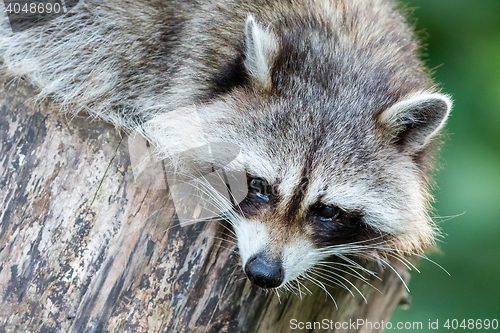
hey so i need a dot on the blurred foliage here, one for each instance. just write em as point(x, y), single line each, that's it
point(463, 48)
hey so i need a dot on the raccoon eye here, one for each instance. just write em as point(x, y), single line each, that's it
point(260, 188)
point(326, 213)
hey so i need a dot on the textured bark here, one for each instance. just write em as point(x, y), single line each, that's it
point(83, 249)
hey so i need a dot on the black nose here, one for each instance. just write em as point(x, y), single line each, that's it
point(263, 272)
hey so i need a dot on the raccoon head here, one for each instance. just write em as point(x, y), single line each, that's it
point(342, 187)
point(335, 142)
point(333, 168)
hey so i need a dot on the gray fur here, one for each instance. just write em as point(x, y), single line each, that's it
point(327, 101)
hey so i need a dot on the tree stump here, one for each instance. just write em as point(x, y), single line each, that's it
point(83, 249)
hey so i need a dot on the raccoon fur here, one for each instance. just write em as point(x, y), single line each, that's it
point(335, 115)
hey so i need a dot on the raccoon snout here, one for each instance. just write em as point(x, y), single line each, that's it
point(264, 272)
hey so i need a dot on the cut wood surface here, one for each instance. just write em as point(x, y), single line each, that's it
point(84, 249)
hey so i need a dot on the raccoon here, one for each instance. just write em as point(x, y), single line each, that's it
point(335, 116)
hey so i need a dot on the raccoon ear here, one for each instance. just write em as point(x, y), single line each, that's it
point(416, 120)
point(260, 49)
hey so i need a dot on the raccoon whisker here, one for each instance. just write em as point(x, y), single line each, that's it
point(284, 286)
point(322, 286)
point(345, 249)
point(355, 247)
point(355, 264)
point(224, 206)
point(431, 261)
point(298, 291)
point(187, 222)
point(324, 275)
point(357, 275)
point(303, 286)
point(216, 214)
point(440, 237)
point(146, 160)
point(232, 219)
point(419, 255)
point(403, 260)
point(350, 267)
point(231, 249)
point(298, 288)
point(225, 240)
point(211, 192)
point(227, 248)
point(217, 200)
point(239, 271)
point(333, 280)
point(447, 218)
point(233, 239)
point(354, 250)
point(229, 219)
point(365, 282)
point(206, 192)
point(363, 243)
point(234, 199)
point(174, 226)
point(386, 263)
point(196, 185)
point(289, 287)
point(362, 279)
point(435, 263)
point(277, 294)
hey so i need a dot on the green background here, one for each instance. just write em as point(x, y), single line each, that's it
point(463, 46)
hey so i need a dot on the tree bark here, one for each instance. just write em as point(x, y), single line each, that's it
point(83, 249)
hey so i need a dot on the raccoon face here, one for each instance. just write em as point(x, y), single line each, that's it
point(329, 173)
point(335, 154)
point(336, 189)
